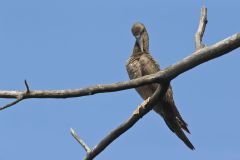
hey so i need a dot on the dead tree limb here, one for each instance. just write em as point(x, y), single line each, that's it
point(80, 141)
point(201, 28)
point(198, 57)
point(142, 110)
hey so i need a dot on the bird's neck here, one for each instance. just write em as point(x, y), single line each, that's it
point(137, 50)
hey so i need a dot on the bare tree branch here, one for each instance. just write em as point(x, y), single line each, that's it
point(195, 59)
point(80, 141)
point(142, 110)
point(201, 55)
point(201, 28)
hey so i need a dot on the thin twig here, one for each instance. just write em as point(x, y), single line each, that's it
point(12, 103)
point(142, 110)
point(26, 84)
point(201, 28)
point(80, 141)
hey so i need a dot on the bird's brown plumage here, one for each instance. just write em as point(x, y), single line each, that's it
point(140, 64)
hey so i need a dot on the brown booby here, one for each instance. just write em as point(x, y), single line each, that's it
point(141, 63)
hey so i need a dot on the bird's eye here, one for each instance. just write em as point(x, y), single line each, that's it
point(141, 31)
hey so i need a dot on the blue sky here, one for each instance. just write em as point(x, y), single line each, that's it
point(57, 44)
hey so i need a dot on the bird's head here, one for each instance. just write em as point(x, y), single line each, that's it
point(140, 33)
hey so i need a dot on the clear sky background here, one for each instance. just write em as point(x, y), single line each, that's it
point(57, 44)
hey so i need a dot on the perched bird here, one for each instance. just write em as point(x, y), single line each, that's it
point(141, 63)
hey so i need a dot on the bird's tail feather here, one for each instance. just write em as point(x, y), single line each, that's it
point(174, 127)
point(175, 124)
point(182, 123)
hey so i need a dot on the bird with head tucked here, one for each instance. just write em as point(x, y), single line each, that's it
point(141, 63)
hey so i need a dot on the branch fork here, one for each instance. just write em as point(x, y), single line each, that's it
point(19, 97)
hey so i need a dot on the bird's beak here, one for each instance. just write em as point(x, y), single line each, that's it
point(139, 42)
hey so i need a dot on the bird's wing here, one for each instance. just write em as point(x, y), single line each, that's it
point(150, 66)
point(167, 107)
point(134, 69)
